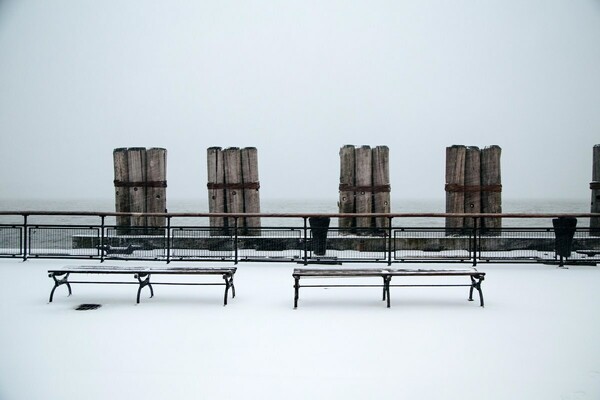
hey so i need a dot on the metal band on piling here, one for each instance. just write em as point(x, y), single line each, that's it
point(238, 186)
point(451, 187)
point(159, 184)
point(373, 189)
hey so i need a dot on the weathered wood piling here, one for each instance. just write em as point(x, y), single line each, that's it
point(381, 185)
point(249, 157)
point(121, 192)
point(216, 193)
point(364, 188)
point(156, 188)
point(140, 187)
point(473, 185)
point(234, 195)
point(136, 162)
point(346, 202)
point(491, 188)
point(455, 181)
point(595, 187)
point(233, 187)
point(363, 196)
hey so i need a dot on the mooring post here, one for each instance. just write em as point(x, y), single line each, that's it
point(249, 159)
point(364, 190)
point(216, 189)
point(472, 184)
point(156, 188)
point(346, 204)
point(455, 181)
point(595, 187)
point(233, 188)
point(491, 189)
point(136, 163)
point(234, 198)
point(121, 170)
point(140, 187)
point(381, 185)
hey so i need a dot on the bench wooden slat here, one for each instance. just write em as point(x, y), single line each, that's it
point(349, 272)
point(129, 270)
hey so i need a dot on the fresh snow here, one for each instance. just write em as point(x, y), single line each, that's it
point(537, 338)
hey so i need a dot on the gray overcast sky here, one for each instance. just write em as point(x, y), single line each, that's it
point(297, 80)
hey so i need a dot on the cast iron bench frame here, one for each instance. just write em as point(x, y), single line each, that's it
point(142, 274)
point(386, 275)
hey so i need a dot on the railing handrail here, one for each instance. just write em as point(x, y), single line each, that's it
point(302, 215)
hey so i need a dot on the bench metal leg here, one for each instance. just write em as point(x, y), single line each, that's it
point(296, 290)
point(228, 284)
point(143, 283)
point(232, 286)
point(476, 284)
point(59, 282)
point(386, 289)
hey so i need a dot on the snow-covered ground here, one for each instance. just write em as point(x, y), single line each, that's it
point(537, 338)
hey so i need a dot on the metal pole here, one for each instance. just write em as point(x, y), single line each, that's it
point(101, 248)
point(168, 232)
point(235, 240)
point(476, 232)
point(305, 241)
point(25, 237)
point(390, 240)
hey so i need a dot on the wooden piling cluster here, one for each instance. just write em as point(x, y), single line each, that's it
point(140, 187)
point(473, 185)
point(233, 187)
point(595, 187)
point(364, 188)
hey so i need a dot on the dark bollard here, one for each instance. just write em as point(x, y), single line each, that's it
point(564, 230)
point(319, 227)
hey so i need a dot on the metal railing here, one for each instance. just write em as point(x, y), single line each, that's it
point(289, 238)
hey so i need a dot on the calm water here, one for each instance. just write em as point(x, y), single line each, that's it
point(295, 206)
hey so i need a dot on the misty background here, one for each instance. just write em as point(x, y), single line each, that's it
point(298, 80)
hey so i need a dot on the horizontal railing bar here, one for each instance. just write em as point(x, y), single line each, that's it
point(155, 283)
point(107, 282)
point(430, 285)
point(326, 286)
point(306, 215)
point(189, 283)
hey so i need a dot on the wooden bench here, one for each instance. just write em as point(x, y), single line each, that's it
point(143, 275)
point(386, 275)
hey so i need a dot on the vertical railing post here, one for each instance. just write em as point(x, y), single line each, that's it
point(305, 240)
point(475, 235)
point(101, 247)
point(235, 240)
point(168, 232)
point(390, 241)
point(25, 237)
